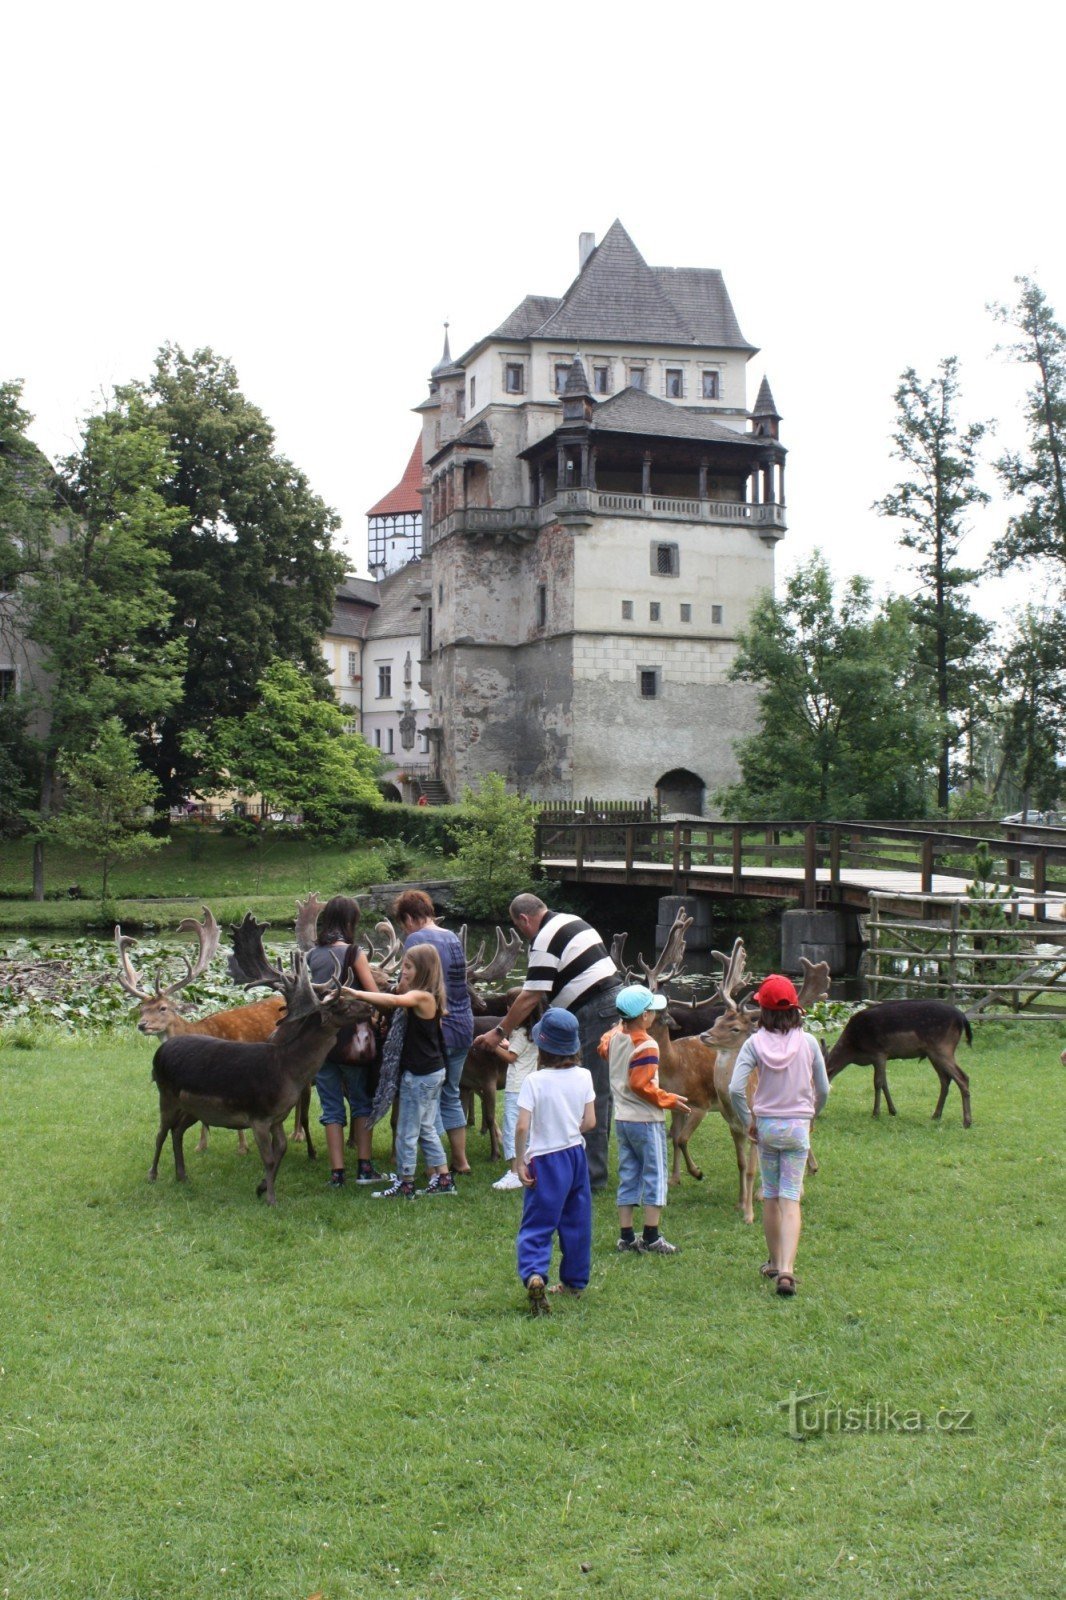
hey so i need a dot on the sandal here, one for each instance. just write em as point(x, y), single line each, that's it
point(564, 1288)
point(768, 1270)
point(786, 1283)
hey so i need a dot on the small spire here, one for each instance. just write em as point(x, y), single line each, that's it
point(576, 381)
point(446, 357)
point(764, 403)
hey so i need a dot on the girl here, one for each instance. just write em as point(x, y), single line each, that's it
point(420, 1002)
point(339, 1079)
point(791, 1090)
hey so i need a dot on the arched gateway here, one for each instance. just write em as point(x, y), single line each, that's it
point(680, 790)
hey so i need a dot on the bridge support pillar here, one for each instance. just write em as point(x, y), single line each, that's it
point(831, 936)
point(698, 907)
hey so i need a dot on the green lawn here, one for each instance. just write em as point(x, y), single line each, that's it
point(198, 865)
point(201, 1397)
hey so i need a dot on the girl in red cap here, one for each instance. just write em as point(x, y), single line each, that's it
point(792, 1089)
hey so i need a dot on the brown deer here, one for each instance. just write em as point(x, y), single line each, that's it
point(230, 1084)
point(905, 1030)
point(736, 1024)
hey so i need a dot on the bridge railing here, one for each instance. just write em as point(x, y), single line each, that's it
point(823, 852)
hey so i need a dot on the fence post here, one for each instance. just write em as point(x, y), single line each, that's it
point(953, 952)
point(579, 852)
point(927, 865)
point(677, 856)
point(630, 841)
point(834, 857)
point(738, 859)
point(874, 931)
point(1040, 885)
point(687, 853)
point(810, 867)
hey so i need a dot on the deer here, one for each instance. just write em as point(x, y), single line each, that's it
point(160, 1014)
point(736, 1024)
point(905, 1030)
point(232, 1084)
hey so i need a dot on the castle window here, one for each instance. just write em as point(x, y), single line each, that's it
point(515, 378)
point(686, 611)
point(460, 403)
point(388, 741)
point(654, 611)
point(649, 683)
point(665, 560)
point(716, 615)
point(627, 611)
point(384, 682)
point(353, 664)
point(473, 394)
point(675, 383)
point(638, 377)
point(711, 385)
point(8, 683)
point(562, 372)
point(601, 380)
point(542, 605)
point(377, 737)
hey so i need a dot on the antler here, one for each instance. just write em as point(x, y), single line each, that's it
point(307, 921)
point(672, 960)
point(732, 974)
point(127, 977)
point(390, 960)
point(618, 952)
point(508, 949)
point(815, 982)
point(249, 966)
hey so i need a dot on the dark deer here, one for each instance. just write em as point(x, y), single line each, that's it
point(905, 1030)
point(229, 1084)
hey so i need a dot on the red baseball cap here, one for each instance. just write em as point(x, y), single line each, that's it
point(776, 993)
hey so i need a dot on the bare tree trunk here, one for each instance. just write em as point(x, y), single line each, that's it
point(47, 785)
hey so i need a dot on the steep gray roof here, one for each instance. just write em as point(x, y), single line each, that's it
point(399, 610)
point(355, 601)
point(764, 403)
point(700, 296)
point(527, 317)
point(616, 295)
point(576, 381)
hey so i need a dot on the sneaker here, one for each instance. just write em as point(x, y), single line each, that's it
point(661, 1247)
point(441, 1183)
point(337, 1179)
point(630, 1244)
point(510, 1180)
point(398, 1189)
point(538, 1296)
point(369, 1174)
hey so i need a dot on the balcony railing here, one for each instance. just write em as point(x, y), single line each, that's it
point(767, 519)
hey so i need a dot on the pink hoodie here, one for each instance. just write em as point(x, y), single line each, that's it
point(792, 1077)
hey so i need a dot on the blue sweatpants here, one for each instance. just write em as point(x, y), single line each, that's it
point(559, 1202)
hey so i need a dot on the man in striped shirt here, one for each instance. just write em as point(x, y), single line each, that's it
point(569, 967)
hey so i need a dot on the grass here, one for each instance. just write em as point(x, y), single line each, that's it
point(344, 1398)
point(195, 865)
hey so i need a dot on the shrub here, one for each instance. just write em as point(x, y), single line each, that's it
point(495, 858)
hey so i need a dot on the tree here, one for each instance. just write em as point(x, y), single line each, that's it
point(106, 796)
point(1032, 719)
point(293, 749)
point(933, 502)
point(252, 573)
point(843, 731)
point(495, 858)
point(1038, 477)
point(91, 598)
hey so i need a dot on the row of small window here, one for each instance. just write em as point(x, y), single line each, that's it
point(674, 380)
point(655, 612)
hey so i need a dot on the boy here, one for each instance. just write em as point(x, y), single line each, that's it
point(640, 1124)
point(556, 1105)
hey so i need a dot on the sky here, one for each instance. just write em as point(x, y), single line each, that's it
point(312, 191)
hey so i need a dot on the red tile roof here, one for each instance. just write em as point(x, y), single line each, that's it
point(407, 495)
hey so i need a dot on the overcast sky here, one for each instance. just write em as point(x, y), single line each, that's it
point(312, 193)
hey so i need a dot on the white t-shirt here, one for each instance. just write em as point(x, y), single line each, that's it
point(556, 1098)
point(525, 1060)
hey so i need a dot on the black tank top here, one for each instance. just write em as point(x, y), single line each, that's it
point(422, 1049)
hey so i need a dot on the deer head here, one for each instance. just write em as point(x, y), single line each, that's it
point(159, 1010)
point(508, 949)
point(740, 1019)
point(671, 962)
point(302, 998)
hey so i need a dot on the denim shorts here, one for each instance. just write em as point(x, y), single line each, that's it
point(783, 1146)
point(336, 1083)
point(641, 1163)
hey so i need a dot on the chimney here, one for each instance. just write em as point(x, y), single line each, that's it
point(586, 244)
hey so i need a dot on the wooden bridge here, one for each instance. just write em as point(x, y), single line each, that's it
point(811, 864)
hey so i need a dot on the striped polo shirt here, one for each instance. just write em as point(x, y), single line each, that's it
point(567, 960)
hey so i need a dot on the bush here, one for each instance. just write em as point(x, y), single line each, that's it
point(496, 857)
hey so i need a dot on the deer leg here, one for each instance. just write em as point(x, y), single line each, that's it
point(201, 1143)
point(812, 1162)
point(948, 1069)
point(488, 1118)
point(689, 1123)
point(165, 1121)
point(242, 1143)
point(177, 1135)
point(272, 1146)
point(466, 1098)
point(745, 1172)
point(304, 1114)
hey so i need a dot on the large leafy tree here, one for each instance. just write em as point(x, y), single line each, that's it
point(932, 503)
point(106, 797)
point(90, 597)
point(1037, 476)
point(1032, 719)
point(252, 572)
point(844, 731)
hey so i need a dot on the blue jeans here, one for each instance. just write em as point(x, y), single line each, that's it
point(510, 1122)
point(416, 1124)
point(451, 1113)
point(334, 1082)
point(641, 1163)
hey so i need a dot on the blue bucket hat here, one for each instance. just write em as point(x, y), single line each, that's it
point(557, 1033)
point(634, 1000)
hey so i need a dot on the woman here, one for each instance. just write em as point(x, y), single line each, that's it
point(413, 910)
point(422, 1001)
point(337, 1079)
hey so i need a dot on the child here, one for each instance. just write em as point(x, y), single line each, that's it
point(421, 997)
point(556, 1105)
point(520, 1054)
point(640, 1123)
point(792, 1089)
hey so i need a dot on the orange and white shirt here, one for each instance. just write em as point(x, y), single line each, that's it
point(633, 1061)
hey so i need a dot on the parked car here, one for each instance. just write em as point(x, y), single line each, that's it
point(1044, 819)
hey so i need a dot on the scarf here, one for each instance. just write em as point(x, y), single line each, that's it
point(389, 1080)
